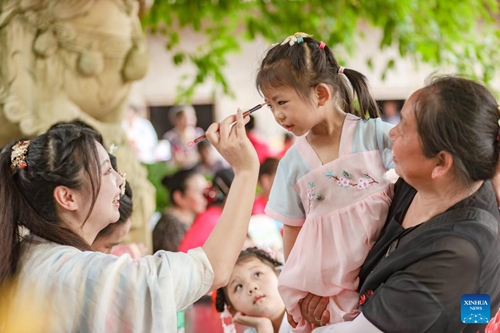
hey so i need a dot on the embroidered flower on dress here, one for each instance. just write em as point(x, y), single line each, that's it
point(310, 195)
point(364, 297)
point(363, 184)
point(343, 182)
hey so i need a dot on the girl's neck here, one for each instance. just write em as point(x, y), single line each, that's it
point(277, 322)
point(325, 138)
point(331, 124)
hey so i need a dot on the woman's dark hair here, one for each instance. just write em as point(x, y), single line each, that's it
point(66, 155)
point(252, 252)
point(305, 65)
point(178, 182)
point(126, 205)
point(459, 116)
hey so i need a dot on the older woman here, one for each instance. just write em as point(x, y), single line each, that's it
point(441, 239)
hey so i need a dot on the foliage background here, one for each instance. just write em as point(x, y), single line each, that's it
point(460, 34)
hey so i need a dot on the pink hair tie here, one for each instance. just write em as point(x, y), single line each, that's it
point(340, 70)
point(322, 45)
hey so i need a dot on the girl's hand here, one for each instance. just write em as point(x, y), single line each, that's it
point(261, 324)
point(232, 143)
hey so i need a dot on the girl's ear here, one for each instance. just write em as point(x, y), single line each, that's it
point(323, 93)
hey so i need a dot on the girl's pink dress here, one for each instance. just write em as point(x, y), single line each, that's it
point(341, 207)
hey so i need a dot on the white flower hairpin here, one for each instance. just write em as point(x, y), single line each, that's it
point(112, 149)
point(297, 37)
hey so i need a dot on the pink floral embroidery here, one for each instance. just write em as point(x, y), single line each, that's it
point(344, 181)
point(363, 184)
point(310, 195)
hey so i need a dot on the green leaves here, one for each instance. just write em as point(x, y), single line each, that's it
point(461, 34)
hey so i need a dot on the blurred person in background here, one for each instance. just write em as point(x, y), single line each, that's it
point(205, 222)
point(187, 199)
point(288, 140)
point(260, 145)
point(390, 112)
point(210, 160)
point(141, 135)
point(183, 118)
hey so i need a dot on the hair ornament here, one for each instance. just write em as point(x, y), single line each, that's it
point(18, 154)
point(297, 37)
point(340, 70)
point(227, 321)
point(321, 45)
point(269, 252)
point(124, 182)
point(112, 149)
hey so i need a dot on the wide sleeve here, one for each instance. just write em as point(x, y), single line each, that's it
point(430, 289)
point(284, 203)
point(384, 143)
point(94, 292)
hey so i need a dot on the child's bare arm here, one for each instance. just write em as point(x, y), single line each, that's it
point(289, 236)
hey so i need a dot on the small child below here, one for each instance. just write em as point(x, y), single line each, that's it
point(252, 296)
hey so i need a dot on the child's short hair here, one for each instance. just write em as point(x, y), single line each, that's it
point(252, 252)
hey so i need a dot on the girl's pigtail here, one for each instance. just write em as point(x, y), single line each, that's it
point(220, 300)
point(368, 107)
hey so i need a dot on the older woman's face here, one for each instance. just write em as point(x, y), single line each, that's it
point(411, 163)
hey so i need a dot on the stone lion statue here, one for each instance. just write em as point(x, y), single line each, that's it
point(62, 60)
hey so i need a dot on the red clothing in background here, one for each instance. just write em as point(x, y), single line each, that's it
point(263, 150)
point(200, 229)
point(259, 205)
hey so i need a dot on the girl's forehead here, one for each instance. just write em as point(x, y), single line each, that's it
point(249, 263)
point(271, 92)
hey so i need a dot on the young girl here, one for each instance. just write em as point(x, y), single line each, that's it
point(330, 190)
point(251, 295)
